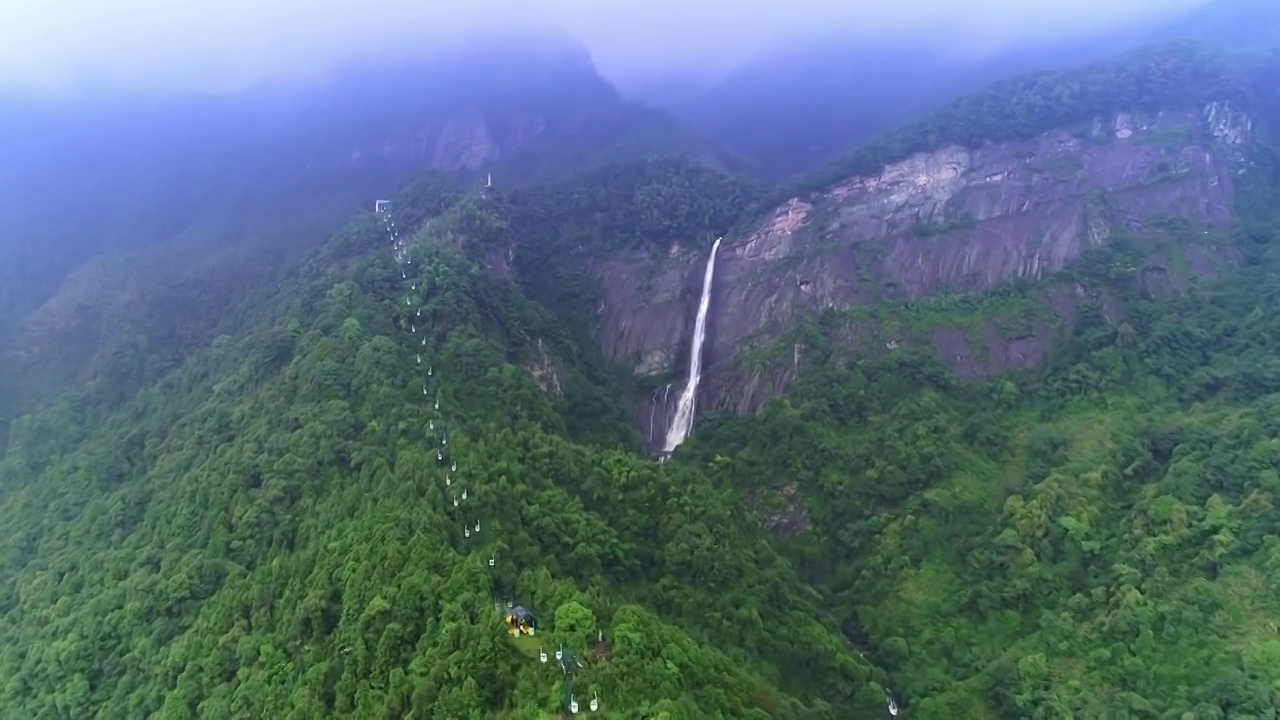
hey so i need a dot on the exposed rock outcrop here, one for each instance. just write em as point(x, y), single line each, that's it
point(642, 314)
point(499, 262)
point(955, 220)
point(781, 511)
point(544, 370)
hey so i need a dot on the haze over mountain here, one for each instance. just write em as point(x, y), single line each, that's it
point(388, 360)
point(798, 104)
point(132, 45)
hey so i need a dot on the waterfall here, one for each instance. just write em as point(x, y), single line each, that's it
point(658, 409)
point(682, 423)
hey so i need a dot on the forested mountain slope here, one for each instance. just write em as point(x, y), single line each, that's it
point(1086, 535)
point(1000, 190)
point(129, 231)
point(268, 531)
point(323, 511)
point(1094, 538)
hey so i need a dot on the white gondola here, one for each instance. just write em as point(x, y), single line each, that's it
point(430, 369)
point(573, 705)
point(439, 455)
point(477, 526)
point(413, 328)
point(559, 654)
point(437, 404)
point(542, 655)
point(466, 532)
point(595, 703)
point(455, 466)
point(424, 343)
point(455, 502)
point(492, 560)
point(464, 493)
point(448, 481)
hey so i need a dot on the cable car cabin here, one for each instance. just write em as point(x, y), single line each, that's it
point(520, 621)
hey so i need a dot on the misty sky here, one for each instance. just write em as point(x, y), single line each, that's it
point(65, 46)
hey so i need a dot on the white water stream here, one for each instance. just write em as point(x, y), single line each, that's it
point(682, 423)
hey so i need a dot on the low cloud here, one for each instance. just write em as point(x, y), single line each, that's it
point(157, 46)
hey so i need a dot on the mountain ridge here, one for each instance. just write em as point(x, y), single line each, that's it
point(905, 218)
point(276, 521)
point(788, 107)
point(257, 176)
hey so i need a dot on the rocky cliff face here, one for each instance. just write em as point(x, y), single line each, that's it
point(958, 220)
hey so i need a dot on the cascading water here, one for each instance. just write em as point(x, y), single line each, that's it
point(682, 423)
point(658, 410)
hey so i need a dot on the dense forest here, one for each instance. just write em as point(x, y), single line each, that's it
point(330, 510)
point(270, 530)
point(1097, 539)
